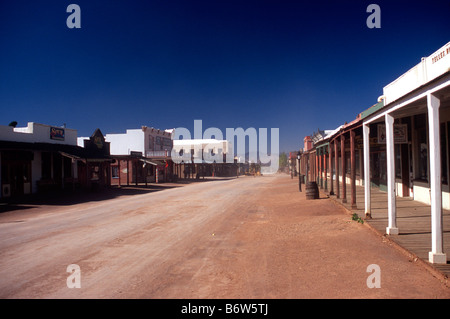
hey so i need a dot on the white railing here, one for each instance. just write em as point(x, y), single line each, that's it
point(164, 153)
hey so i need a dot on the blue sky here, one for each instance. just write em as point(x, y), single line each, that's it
point(293, 65)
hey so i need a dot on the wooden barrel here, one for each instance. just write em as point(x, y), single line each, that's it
point(312, 190)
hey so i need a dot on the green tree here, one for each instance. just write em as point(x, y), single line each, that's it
point(283, 162)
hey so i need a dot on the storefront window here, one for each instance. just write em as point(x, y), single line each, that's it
point(5, 174)
point(46, 165)
point(357, 170)
point(67, 167)
point(167, 142)
point(423, 154)
point(151, 143)
point(398, 161)
point(95, 173)
point(421, 146)
point(114, 172)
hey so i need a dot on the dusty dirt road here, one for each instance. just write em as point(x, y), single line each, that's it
point(251, 237)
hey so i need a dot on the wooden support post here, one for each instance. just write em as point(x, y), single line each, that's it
point(128, 172)
point(343, 163)
point(118, 170)
point(367, 208)
point(336, 164)
point(325, 170)
point(353, 169)
point(136, 173)
point(330, 159)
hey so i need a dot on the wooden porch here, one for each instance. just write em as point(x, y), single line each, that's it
point(413, 222)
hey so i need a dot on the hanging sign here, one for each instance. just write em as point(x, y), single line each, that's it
point(57, 133)
point(400, 133)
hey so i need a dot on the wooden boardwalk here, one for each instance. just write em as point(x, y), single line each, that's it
point(413, 222)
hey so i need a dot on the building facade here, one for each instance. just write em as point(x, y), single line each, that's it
point(141, 156)
point(39, 158)
point(195, 158)
point(399, 145)
point(412, 125)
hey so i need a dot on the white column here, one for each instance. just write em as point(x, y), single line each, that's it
point(390, 159)
point(366, 131)
point(436, 254)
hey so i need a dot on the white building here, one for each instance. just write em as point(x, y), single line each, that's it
point(141, 155)
point(148, 141)
point(200, 150)
point(420, 101)
point(39, 133)
point(34, 156)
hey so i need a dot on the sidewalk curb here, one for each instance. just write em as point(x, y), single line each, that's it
point(391, 241)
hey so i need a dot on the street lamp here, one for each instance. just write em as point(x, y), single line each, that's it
point(299, 175)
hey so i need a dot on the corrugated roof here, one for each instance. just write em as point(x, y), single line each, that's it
point(372, 109)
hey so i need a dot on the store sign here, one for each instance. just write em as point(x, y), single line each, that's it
point(57, 133)
point(136, 153)
point(427, 70)
point(438, 63)
point(400, 133)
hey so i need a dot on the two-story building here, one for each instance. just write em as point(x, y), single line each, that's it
point(203, 157)
point(141, 156)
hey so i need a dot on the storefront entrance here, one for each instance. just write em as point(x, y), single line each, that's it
point(378, 169)
point(16, 173)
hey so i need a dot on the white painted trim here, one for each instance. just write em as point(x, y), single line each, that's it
point(390, 161)
point(433, 104)
point(366, 141)
point(421, 93)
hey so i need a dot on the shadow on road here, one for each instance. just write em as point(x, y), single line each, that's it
point(73, 197)
point(201, 180)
